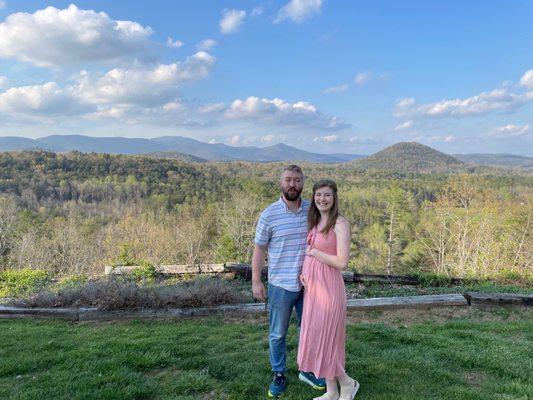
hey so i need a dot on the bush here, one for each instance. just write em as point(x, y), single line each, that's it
point(146, 272)
point(118, 293)
point(125, 257)
point(71, 281)
point(430, 279)
point(22, 282)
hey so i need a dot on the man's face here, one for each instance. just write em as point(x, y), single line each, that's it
point(292, 184)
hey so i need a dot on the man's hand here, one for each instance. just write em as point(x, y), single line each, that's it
point(258, 260)
point(259, 291)
point(303, 281)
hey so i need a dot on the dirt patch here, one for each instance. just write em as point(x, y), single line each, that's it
point(410, 316)
point(475, 378)
point(407, 317)
point(161, 372)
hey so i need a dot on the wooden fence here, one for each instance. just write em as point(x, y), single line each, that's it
point(245, 271)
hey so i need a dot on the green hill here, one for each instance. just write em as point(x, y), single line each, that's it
point(410, 157)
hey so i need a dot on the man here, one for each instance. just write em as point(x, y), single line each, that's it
point(282, 231)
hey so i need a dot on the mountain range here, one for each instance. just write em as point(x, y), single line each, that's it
point(167, 145)
point(403, 156)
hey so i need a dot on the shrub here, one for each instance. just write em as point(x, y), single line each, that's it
point(17, 283)
point(125, 256)
point(118, 293)
point(429, 279)
point(146, 272)
point(71, 281)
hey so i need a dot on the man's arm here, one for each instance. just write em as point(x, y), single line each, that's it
point(258, 260)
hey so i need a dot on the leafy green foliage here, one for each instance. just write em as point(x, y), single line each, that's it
point(76, 212)
point(145, 272)
point(15, 283)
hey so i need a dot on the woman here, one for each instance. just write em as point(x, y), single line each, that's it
point(323, 329)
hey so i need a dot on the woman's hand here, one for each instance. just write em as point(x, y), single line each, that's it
point(303, 281)
point(310, 251)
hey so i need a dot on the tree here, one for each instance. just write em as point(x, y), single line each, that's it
point(397, 220)
point(8, 221)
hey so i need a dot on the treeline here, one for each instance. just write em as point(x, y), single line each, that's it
point(74, 213)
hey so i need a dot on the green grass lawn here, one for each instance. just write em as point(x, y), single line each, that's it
point(476, 355)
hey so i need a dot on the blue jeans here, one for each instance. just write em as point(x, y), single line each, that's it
point(280, 305)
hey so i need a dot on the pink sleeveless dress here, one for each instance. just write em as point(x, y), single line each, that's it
point(321, 348)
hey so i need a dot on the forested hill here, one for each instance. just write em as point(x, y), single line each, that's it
point(411, 157)
point(74, 212)
point(39, 175)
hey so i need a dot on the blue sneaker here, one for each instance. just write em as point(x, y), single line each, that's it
point(278, 385)
point(312, 380)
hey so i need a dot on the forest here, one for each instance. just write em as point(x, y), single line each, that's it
point(75, 213)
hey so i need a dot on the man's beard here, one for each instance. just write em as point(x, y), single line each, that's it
point(292, 195)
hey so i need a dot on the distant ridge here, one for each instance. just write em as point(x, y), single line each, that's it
point(179, 145)
point(497, 160)
point(174, 155)
point(403, 156)
point(410, 157)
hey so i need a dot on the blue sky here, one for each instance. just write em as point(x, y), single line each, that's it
point(324, 76)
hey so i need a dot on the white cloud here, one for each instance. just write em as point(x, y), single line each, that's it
point(234, 140)
point(115, 112)
point(212, 108)
point(527, 79)
point(51, 37)
point(511, 131)
point(327, 139)
point(336, 89)
point(299, 10)
point(280, 112)
point(231, 20)
point(3, 81)
point(485, 102)
point(405, 102)
point(256, 11)
point(174, 43)
point(143, 86)
point(148, 92)
point(206, 44)
point(363, 77)
point(268, 138)
point(406, 125)
point(450, 138)
point(173, 106)
point(40, 101)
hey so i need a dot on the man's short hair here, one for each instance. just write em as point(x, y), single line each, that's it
point(293, 168)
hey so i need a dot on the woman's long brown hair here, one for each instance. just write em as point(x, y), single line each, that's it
point(313, 217)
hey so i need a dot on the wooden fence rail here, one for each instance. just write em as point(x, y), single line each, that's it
point(245, 271)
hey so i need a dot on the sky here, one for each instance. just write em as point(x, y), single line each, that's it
point(324, 76)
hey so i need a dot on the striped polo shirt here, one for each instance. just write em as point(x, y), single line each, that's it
point(284, 233)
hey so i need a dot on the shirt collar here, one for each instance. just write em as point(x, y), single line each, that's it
point(286, 208)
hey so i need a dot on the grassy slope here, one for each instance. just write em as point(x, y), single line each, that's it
point(216, 358)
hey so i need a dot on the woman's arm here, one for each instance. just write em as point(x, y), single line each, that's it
point(339, 261)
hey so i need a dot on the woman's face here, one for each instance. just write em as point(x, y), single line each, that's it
point(324, 199)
